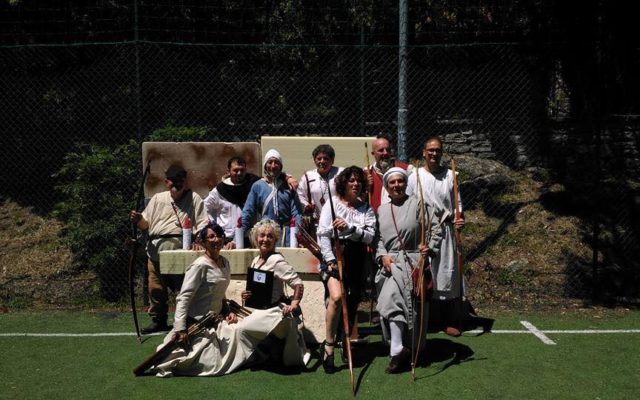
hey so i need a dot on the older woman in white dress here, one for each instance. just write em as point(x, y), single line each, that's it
point(279, 321)
point(399, 248)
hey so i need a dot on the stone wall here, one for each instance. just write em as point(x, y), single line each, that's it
point(571, 146)
point(516, 148)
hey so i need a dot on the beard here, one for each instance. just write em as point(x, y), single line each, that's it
point(385, 164)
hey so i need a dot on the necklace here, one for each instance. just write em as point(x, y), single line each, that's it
point(324, 187)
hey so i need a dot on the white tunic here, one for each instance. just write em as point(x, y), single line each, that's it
point(319, 188)
point(361, 225)
point(223, 212)
point(165, 217)
point(438, 195)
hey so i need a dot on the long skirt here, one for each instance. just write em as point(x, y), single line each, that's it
point(395, 299)
point(228, 347)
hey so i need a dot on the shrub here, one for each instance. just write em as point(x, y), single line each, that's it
point(99, 185)
point(179, 134)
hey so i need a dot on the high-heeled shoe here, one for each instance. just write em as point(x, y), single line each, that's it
point(328, 363)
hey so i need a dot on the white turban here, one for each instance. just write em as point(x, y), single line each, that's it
point(393, 171)
point(273, 153)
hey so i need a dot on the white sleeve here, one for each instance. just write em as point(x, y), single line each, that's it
point(191, 283)
point(364, 233)
point(411, 183)
point(212, 203)
point(325, 233)
point(302, 190)
point(460, 199)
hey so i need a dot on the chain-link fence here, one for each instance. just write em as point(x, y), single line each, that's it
point(58, 96)
point(526, 244)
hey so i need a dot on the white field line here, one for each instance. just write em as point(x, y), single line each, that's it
point(588, 331)
point(102, 334)
point(560, 331)
point(538, 333)
point(475, 331)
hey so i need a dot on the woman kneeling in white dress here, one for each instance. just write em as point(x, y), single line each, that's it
point(230, 345)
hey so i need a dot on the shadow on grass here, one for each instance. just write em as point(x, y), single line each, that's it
point(363, 356)
point(445, 351)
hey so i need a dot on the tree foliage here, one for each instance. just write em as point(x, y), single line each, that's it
point(99, 186)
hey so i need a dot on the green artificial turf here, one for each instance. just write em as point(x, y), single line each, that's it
point(489, 366)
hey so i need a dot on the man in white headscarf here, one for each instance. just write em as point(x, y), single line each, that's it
point(271, 197)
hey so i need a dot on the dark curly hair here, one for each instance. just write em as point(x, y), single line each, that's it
point(344, 176)
point(202, 233)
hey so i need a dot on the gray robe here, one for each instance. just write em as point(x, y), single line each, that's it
point(395, 301)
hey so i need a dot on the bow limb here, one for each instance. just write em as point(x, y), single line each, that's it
point(369, 167)
point(458, 215)
point(132, 296)
point(421, 290)
point(421, 265)
point(343, 298)
point(370, 250)
point(134, 244)
point(458, 235)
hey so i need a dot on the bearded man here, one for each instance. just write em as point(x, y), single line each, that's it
point(384, 159)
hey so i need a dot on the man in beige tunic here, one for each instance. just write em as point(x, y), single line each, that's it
point(163, 218)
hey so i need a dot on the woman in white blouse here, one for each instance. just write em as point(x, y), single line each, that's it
point(354, 221)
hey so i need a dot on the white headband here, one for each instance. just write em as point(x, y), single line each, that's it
point(393, 171)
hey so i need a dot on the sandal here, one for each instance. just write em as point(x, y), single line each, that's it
point(328, 359)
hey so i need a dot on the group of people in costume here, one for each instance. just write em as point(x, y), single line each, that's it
point(389, 213)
